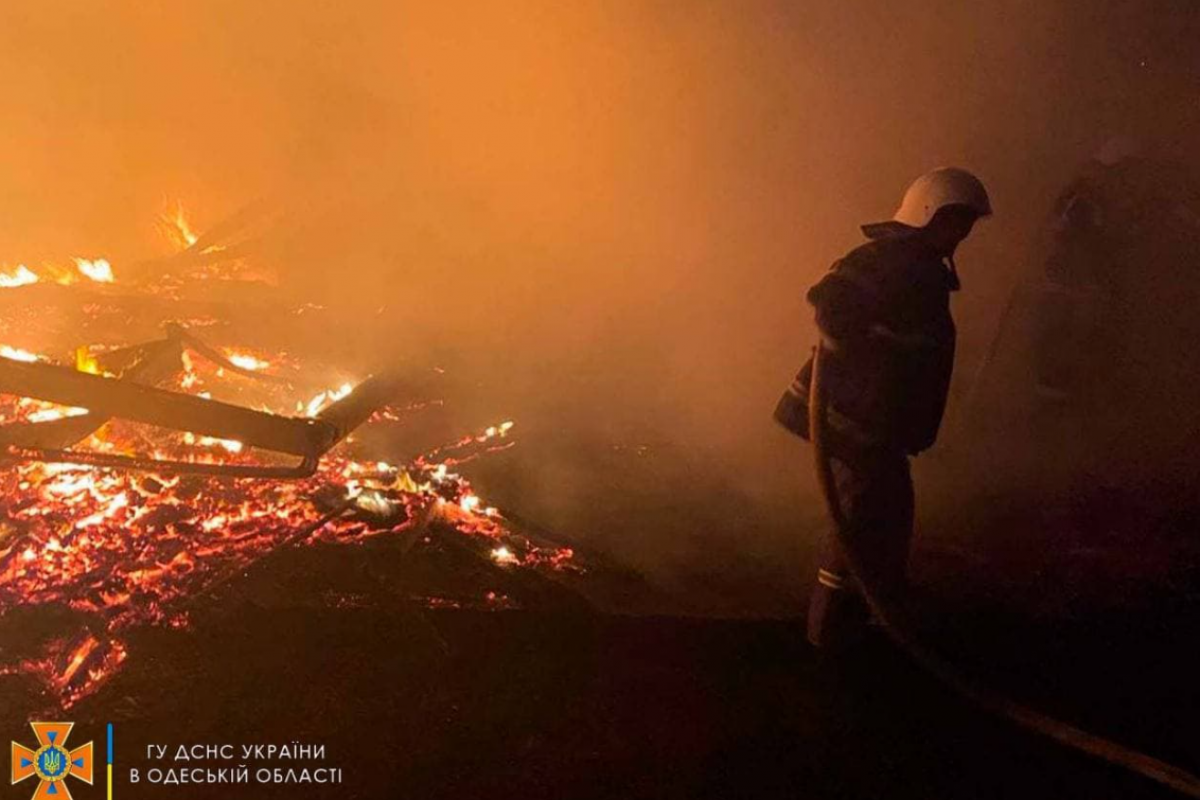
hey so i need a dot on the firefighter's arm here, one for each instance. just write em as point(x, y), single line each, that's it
point(845, 311)
point(848, 313)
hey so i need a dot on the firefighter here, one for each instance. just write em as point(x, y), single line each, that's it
point(1111, 324)
point(1126, 225)
point(883, 314)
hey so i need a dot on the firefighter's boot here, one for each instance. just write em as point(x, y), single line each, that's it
point(837, 616)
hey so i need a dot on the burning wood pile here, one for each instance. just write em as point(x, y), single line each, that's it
point(137, 476)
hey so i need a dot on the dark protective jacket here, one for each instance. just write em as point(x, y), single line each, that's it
point(885, 310)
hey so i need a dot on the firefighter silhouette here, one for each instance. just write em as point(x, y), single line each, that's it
point(883, 313)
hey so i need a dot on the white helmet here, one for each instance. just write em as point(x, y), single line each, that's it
point(947, 186)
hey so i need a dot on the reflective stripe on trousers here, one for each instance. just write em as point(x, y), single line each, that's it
point(876, 494)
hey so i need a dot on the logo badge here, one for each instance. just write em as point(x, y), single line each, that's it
point(51, 762)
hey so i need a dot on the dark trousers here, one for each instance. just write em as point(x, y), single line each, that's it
point(876, 494)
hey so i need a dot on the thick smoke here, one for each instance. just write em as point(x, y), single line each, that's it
point(606, 212)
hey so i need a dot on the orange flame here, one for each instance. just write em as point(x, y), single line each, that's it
point(16, 354)
point(177, 228)
point(99, 270)
point(21, 276)
point(247, 361)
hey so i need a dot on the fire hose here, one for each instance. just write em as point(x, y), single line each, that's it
point(900, 633)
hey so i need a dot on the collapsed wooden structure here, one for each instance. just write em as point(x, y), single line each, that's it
point(129, 392)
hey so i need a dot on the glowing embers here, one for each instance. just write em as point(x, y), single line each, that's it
point(71, 666)
point(135, 548)
point(94, 553)
point(503, 556)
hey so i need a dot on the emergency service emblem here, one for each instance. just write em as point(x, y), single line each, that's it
point(51, 762)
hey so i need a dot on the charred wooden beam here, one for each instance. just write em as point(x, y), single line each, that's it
point(215, 245)
point(368, 397)
point(214, 355)
point(147, 364)
point(115, 397)
point(305, 468)
point(229, 227)
point(205, 258)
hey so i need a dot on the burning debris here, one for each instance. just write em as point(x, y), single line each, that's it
point(139, 477)
point(98, 270)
